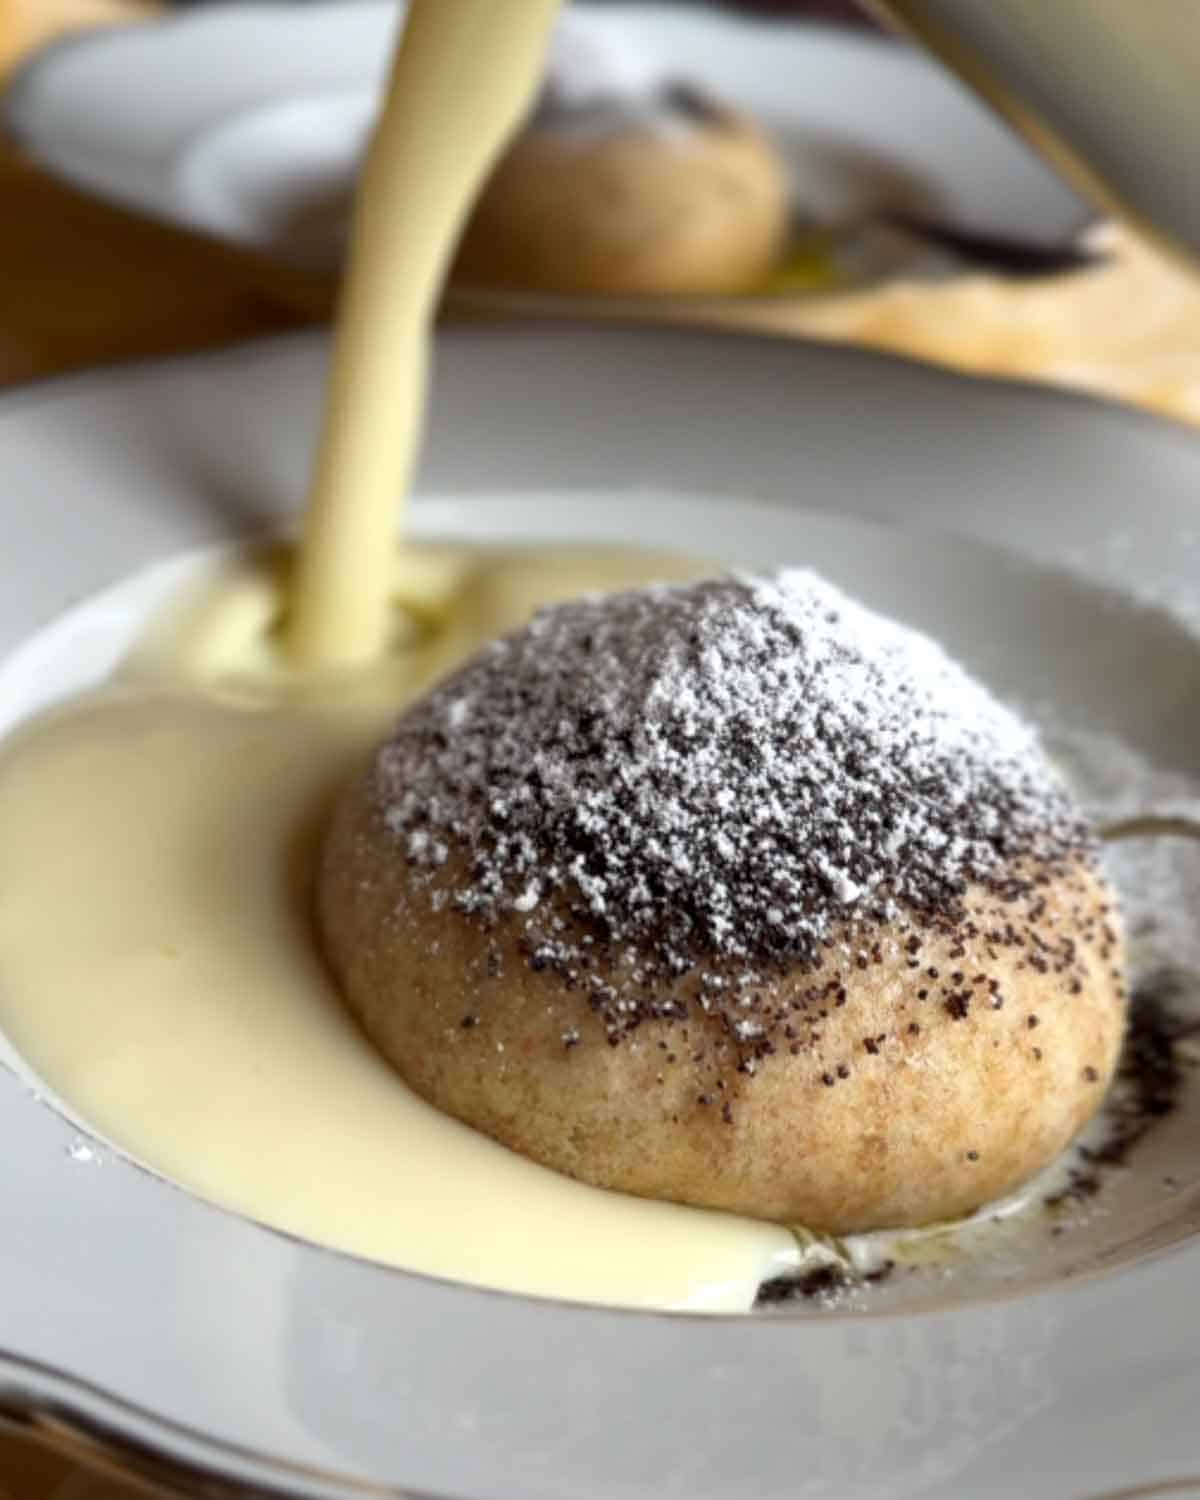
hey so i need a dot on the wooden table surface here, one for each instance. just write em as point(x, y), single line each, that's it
point(83, 284)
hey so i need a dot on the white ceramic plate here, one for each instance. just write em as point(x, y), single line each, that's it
point(247, 121)
point(168, 1331)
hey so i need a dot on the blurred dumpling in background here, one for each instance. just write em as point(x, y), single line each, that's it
point(625, 184)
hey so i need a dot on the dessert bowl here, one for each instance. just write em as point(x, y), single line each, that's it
point(1048, 541)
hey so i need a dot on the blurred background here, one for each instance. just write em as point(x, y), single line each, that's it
point(919, 225)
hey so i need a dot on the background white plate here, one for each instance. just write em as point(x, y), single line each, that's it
point(239, 120)
point(136, 1312)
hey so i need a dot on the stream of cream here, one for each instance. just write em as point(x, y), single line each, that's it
point(464, 74)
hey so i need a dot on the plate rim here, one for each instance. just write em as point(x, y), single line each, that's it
point(46, 391)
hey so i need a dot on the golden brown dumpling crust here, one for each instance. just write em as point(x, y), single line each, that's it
point(929, 1072)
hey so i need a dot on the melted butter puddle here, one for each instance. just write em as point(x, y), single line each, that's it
point(158, 966)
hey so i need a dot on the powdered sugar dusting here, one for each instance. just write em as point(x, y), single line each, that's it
point(711, 778)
